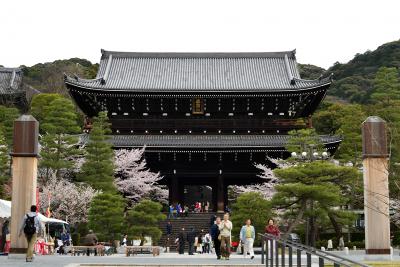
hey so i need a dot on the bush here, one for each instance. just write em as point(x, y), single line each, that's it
point(251, 206)
point(143, 220)
point(106, 216)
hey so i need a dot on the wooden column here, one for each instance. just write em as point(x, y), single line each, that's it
point(173, 190)
point(24, 176)
point(220, 194)
point(376, 189)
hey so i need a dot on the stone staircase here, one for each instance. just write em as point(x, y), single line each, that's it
point(200, 221)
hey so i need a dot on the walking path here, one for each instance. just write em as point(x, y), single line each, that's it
point(165, 259)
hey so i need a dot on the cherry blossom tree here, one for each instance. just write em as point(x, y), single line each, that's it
point(134, 179)
point(68, 201)
point(266, 188)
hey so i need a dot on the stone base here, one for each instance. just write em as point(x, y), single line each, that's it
point(378, 257)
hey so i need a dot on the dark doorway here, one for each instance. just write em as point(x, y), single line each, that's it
point(198, 193)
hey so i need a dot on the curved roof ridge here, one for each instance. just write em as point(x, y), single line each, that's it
point(321, 79)
point(76, 78)
point(278, 54)
point(7, 69)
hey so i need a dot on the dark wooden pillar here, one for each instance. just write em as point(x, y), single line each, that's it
point(173, 190)
point(220, 194)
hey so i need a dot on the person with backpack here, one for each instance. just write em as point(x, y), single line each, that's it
point(31, 228)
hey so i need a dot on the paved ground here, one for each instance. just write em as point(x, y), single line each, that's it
point(164, 259)
point(170, 259)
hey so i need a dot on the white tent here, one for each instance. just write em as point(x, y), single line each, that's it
point(5, 208)
point(5, 212)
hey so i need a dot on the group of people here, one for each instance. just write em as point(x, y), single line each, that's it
point(177, 210)
point(220, 238)
point(201, 207)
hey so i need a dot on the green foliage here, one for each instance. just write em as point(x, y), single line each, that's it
point(304, 140)
point(310, 72)
point(48, 77)
point(58, 145)
point(7, 117)
point(40, 105)
point(386, 86)
point(98, 169)
point(314, 190)
point(355, 79)
point(4, 164)
point(143, 220)
point(106, 216)
point(345, 120)
point(251, 206)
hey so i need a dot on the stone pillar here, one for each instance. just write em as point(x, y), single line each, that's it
point(376, 189)
point(24, 176)
point(173, 190)
point(220, 194)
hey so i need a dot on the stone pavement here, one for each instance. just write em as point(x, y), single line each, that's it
point(170, 259)
point(165, 259)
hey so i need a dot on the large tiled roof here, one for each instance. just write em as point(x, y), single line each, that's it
point(129, 71)
point(209, 141)
point(10, 80)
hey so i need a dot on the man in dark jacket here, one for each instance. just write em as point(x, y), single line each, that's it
point(191, 237)
point(91, 240)
point(181, 241)
point(214, 235)
point(169, 228)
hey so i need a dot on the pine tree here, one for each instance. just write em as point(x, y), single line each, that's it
point(4, 164)
point(143, 220)
point(313, 190)
point(98, 168)
point(386, 86)
point(253, 206)
point(7, 118)
point(58, 143)
point(106, 216)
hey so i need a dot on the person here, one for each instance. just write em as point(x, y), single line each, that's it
point(225, 228)
point(206, 243)
point(169, 228)
point(181, 241)
point(199, 242)
point(171, 211)
point(341, 243)
point(247, 236)
point(191, 236)
point(330, 245)
point(215, 237)
point(272, 229)
point(212, 220)
point(91, 240)
point(179, 210)
point(4, 232)
point(186, 211)
point(206, 206)
point(124, 242)
point(31, 227)
point(65, 237)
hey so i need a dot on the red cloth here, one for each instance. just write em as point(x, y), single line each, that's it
point(7, 247)
point(272, 230)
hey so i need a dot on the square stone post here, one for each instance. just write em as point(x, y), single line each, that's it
point(24, 177)
point(376, 188)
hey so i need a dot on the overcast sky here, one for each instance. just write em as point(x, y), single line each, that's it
point(323, 32)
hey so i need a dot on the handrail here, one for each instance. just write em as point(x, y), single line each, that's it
point(322, 255)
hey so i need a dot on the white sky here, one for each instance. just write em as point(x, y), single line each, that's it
point(323, 32)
